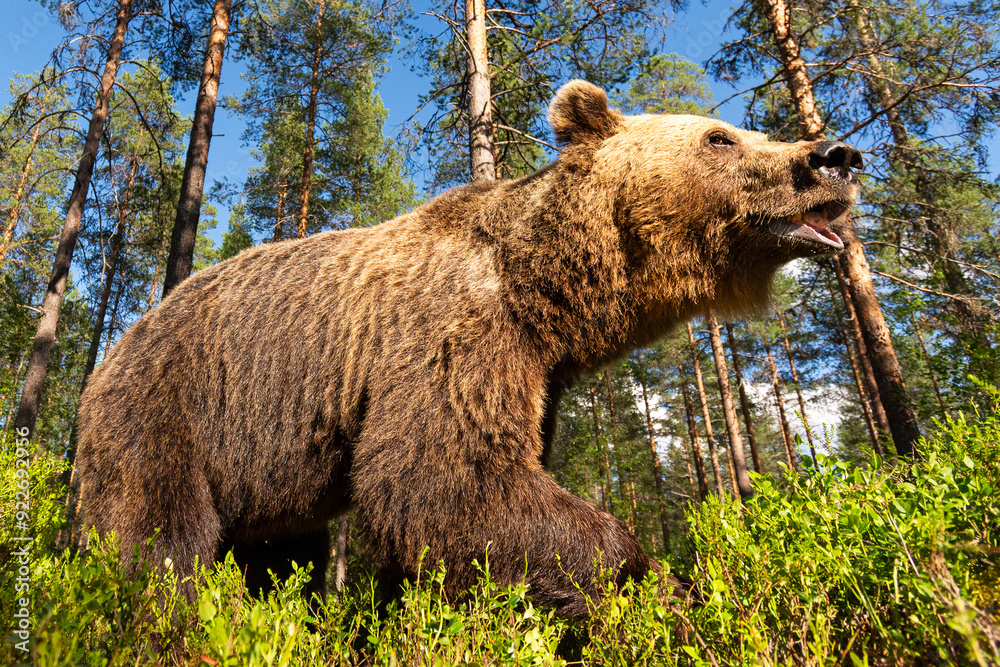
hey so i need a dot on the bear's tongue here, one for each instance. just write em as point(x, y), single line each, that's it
point(814, 226)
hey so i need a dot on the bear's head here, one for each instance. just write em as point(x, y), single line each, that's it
point(699, 192)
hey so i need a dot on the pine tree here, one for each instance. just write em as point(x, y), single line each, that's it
point(738, 463)
point(744, 399)
point(41, 354)
point(775, 17)
point(238, 237)
point(531, 48)
point(481, 149)
point(315, 120)
point(140, 147)
point(932, 181)
point(667, 84)
point(180, 260)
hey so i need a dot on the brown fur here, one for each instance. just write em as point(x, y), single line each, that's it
point(406, 370)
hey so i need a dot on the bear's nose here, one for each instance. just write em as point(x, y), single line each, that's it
point(835, 156)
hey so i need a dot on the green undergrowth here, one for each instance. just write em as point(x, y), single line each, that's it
point(872, 563)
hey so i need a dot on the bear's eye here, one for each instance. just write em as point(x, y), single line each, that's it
point(720, 139)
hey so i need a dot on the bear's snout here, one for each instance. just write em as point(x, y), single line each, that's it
point(836, 159)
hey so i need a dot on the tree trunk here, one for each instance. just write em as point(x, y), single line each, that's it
point(635, 504)
point(41, 351)
point(114, 318)
point(786, 434)
point(602, 448)
point(17, 204)
point(741, 480)
point(69, 533)
point(691, 476)
point(102, 307)
point(152, 286)
point(902, 421)
point(795, 383)
point(888, 375)
point(970, 317)
point(632, 521)
point(341, 575)
point(657, 475)
point(310, 136)
point(744, 401)
point(779, 14)
point(862, 394)
point(481, 158)
point(180, 260)
point(117, 243)
point(706, 415)
point(867, 373)
point(279, 224)
point(699, 464)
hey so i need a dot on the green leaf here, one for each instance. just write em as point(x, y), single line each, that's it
point(206, 610)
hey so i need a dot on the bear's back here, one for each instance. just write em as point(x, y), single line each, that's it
point(276, 350)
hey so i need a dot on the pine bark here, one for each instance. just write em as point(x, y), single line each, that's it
point(481, 144)
point(279, 214)
point(796, 384)
point(657, 473)
point(602, 448)
point(341, 572)
point(153, 284)
point(630, 521)
point(882, 355)
point(713, 453)
point(744, 401)
point(693, 440)
point(867, 372)
point(741, 480)
point(888, 374)
point(863, 397)
point(691, 476)
point(779, 14)
point(41, 351)
point(786, 434)
point(310, 134)
point(180, 260)
point(17, 203)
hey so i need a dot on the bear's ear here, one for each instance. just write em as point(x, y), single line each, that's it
point(580, 112)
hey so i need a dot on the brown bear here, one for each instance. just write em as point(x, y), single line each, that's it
point(411, 370)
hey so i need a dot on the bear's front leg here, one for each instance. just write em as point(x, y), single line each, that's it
point(467, 495)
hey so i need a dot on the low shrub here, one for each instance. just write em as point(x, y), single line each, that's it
point(870, 562)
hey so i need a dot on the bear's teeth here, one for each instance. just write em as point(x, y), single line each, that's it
point(797, 217)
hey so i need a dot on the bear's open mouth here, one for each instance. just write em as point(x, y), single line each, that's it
point(813, 225)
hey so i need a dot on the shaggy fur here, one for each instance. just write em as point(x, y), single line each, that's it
point(407, 370)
